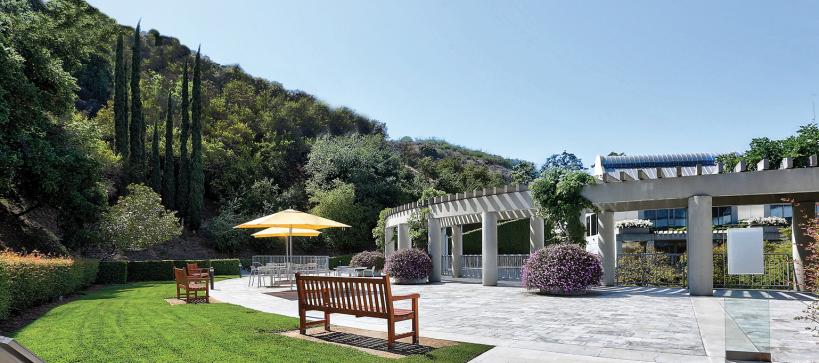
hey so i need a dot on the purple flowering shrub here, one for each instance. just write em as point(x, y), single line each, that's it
point(561, 269)
point(409, 264)
point(368, 259)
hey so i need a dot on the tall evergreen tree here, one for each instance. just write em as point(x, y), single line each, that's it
point(120, 102)
point(156, 166)
point(183, 184)
point(136, 159)
point(168, 180)
point(197, 186)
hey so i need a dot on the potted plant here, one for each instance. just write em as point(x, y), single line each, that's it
point(634, 225)
point(369, 259)
point(410, 266)
point(561, 269)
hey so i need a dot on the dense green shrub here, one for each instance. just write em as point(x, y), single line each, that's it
point(227, 266)
point(368, 259)
point(340, 260)
point(184, 263)
point(162, 270)
point(247, 262)
point(112, 272)
point(150, 270)
point(29, 280)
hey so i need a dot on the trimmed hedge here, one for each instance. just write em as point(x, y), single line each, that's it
point(113, 272)
point(341, 260)
point(162, 270)
point(26, 281)
point(226, 266)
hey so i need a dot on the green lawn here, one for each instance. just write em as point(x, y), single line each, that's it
point(132, 323)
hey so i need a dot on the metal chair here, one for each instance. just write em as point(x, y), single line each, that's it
point(254, 271)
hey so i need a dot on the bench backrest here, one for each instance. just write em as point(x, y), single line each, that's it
point(179, 275)
point(363, 296)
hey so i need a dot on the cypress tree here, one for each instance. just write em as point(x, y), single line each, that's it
point(120, 102)
point(168, 180)
point(183, 184)
point(197, 186)
point(156, 167)
point(136, 159)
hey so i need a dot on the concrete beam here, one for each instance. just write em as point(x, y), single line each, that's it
point(536, 236)
point(404, 241)
point(787, 163)
point(389, 242)
point(434, 247)
point(457, 249)
point(753, 187)
point(489, 248)
point(607, 243)
point(700, 246)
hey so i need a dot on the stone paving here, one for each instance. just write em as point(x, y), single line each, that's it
point(610, 324)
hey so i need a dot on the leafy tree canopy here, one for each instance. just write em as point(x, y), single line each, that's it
point(122, 227)
point(564, 160)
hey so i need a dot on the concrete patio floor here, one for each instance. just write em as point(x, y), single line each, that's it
point(609, 325)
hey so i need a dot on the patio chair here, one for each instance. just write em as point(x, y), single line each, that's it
point(370, 272)
point(254, 272)
point(192, 286)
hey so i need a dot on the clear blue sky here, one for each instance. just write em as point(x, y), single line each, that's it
point(526, 79)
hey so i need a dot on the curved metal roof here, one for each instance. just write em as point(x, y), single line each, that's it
point(658, 161)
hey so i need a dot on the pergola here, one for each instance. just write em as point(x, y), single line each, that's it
point(641, 189)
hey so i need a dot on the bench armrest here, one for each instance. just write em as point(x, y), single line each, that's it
point(406, 297)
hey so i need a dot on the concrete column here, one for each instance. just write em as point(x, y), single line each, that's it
point(606, 243)
point(535, 233)
point(457, 249)
point(434, 247)
point(800, 240)
point(700, 246)
point(489, 248)
point(389, 243)
point(404, 242)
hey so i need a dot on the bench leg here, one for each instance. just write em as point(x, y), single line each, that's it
point(414, 321)
point(390, 333)
point(326, 321)
point(302, 321)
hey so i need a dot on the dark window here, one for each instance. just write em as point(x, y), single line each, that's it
point(591, 225)
point(722, 216)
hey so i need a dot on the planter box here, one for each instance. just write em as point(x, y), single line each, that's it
point(635, 230)
point(403, 281)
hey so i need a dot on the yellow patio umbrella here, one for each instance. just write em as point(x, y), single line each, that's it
point(286, 232)
point(292, 219)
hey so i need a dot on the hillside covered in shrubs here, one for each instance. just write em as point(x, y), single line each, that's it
point(264, 147)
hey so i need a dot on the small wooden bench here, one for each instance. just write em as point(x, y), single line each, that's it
point(358, 296)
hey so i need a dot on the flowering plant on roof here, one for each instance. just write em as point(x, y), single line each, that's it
point(411, 264)
point(766, 221)
point(564, 269)
point(634, 223)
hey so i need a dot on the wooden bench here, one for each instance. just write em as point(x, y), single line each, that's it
point(358, 296)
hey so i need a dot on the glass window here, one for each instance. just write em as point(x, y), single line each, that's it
point(679, 217)
point(661, 220)
point(722, 216)
point(783, 211)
